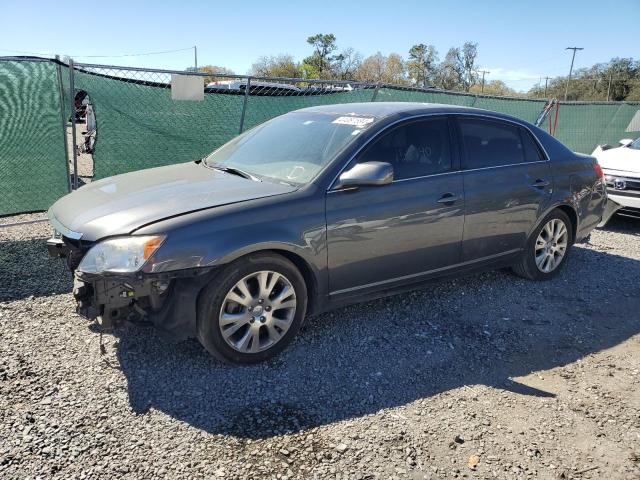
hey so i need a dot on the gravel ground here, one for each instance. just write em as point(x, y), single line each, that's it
point(488, 376)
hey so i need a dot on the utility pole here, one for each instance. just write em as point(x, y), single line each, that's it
point(546, 81)
point(609, 87)
point(483, 73)
point(195, 57)
point(566, 89)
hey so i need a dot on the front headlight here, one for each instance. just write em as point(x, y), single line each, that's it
point(120, 255)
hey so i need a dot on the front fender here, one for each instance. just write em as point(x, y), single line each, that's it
point(211, 239)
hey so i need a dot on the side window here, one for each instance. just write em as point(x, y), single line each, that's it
point(490, 143)
point(532, 152)
point(414, 149)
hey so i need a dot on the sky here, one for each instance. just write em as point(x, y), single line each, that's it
point(518, 41)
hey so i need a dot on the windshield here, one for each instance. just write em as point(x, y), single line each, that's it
point(635, 144)
point(291, 148)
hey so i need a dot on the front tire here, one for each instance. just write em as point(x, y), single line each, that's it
point(547, 249)
point(252, 310)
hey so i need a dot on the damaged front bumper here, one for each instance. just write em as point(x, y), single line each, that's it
point(167, 300)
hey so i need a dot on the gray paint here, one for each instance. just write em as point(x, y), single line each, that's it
point(501, 205)
point(117, 205)
point(354, 242)
point(376, 234)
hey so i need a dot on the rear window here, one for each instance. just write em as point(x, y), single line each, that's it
point(490, 143)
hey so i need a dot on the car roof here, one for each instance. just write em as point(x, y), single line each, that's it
point(385, 109)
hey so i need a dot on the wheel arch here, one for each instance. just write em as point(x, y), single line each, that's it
point(566, 208)
point(310, 279)
point(573, 216)
point(309, 273)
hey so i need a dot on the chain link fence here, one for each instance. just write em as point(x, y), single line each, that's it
point(139, 125)
point(119, 119)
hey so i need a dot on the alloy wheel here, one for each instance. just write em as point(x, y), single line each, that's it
point(551, 245)
point(257, 312)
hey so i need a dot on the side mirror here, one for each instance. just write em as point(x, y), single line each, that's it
point(367, 173)
point(625, 142)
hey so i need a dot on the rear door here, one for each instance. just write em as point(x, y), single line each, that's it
point(507, 183)
point(378, 235)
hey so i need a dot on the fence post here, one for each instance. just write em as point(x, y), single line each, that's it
point(375, 92)
point(244, 103)
point(72, 99)
point(63, 122)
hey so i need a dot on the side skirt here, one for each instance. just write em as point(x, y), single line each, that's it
point(337, 300)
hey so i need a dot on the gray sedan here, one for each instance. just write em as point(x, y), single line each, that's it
point(318, 208)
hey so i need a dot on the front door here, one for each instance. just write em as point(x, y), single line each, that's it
point(381, 235)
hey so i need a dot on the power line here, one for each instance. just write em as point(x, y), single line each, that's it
point(100, 56)
point(134, 54)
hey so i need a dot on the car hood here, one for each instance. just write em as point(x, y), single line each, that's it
point(622, 159)
point(118, 205)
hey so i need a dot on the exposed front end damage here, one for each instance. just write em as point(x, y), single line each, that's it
point(166, 300)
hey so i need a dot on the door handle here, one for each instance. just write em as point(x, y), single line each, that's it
point(448, 198)
point(539, 183)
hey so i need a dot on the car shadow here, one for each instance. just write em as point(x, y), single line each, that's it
point(624, 225)
point(484, 329)
point(28, 271)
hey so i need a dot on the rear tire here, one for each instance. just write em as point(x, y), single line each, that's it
point(547, 249)
point(252, 309)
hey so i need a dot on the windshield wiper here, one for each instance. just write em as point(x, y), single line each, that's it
point(236, 171)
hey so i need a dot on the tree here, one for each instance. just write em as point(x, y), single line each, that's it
point(450, 70)
point(308, 71)
point(215, 70)
point(422, 64)
point(321, 59)
point(458, 70)
point(395, 71)
point(495, 87)
point(372, 68)
point(616, 80)
point(346, 64)
point(383, 69)
point(282, 65)
point(467, 64)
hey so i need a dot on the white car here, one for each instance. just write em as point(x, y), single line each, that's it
point(621, 166)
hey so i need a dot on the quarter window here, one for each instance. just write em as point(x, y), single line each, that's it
point(490, 143)
point(415, 149)
point(532, 152)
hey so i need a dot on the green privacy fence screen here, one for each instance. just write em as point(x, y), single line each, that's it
point(139, 125)
point(32, 155)
point(583, 126)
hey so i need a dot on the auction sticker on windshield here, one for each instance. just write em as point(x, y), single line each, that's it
point(355, 121)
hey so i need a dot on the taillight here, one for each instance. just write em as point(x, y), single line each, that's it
point(598, 169)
